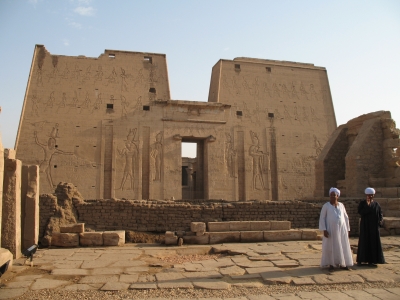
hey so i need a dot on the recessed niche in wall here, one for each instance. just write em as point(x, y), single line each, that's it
point(270, 115)
point(146, 107)
point(239, 113)
point(237, 67)
point(268, 69)
point(111, 55)
point(148, 59)
point(110, 106)
point(152, 90)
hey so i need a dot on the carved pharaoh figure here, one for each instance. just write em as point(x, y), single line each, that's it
point(129, 152)
point(156, 154)
point(258, 161)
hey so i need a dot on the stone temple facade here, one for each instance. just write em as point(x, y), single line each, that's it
point(109, 126)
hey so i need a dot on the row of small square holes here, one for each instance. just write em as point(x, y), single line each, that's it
point(147, 59)
point(237, 68)
point(240, 113)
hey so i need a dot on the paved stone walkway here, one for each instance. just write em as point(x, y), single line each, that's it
point(144, 266)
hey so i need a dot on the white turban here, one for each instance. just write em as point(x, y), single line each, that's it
point(369, 191)
point(335, 190)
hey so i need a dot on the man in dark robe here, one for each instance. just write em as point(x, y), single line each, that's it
point(369, 243)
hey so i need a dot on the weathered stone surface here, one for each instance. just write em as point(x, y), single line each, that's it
point(218, 226)
point(11, 209)
point(91, 239)
point(171, 240)
point(5, 256)
point(197, 240)
point(251, 236)
point(98, 279)
point(239, 226)
point(260, 225)
point(211, 284)
point(65, 239)
point(115, 286)
point(282, 235)
point(73, 228)
point(30, 205)
point(198, 227)
point(114, 238)
point(391, 223)
point(309, 234)
point(224, 237)
point(41, 284)
point(280, 225)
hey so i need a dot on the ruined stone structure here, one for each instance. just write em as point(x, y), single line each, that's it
point(364, 152)
point(109, 126)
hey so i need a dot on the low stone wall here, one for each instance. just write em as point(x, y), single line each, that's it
point(162, 216)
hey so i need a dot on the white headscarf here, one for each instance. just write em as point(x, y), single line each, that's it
point(335, 190)
point(369, 191)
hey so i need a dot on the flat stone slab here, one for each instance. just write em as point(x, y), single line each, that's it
point(285, 263)
point(260, 297)
point(310, 262)
point(201, 275)
point(115, 286)
point(255, 264)
point(267, 257)
point(99, 279)
point(175, 285)
point(376, 277)
point(143, 286)
point(73, 228)
point(129, 263)
point(18, 284)
point(41, 284)
point(248, 284)
point(169, 276)
point(98, 263)
point(234, 270)
point(75, 272)
point(336, 295)
point(211, 284)
point(246, 276)
point(83, 287)
point(276, 277)
point(131, 278)
point(302, 281)
point(12, 293)
point(311, 295)
point(132, 270)
point(108, 271)
point(337, 279)
point(28, 277)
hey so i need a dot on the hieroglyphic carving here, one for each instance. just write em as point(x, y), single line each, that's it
point(49, 150)
point(156, 154)
point(65, 73)
point(275, 90)
point(39, 77)
point(287, 114)
point(230, 156)
point(130, 153)
point(96, 105)
point(258, 162)
point(313, 93)
point(124, 84)
point(63, 102)
point(303, 92)
point(113, 77)
point(317, 145)
point(50, 101)
point(267, 90)
point(99, 74)
point(294, 92)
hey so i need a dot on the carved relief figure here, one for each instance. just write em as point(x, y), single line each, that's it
point(112, 78)
point(124, 84)
point(35, 107)
point(156, 154)
point(294, 92)
point(125, 104)
point(230, 156)
point(303, 91)
point(267, 90)
point(130, 153)
point(49, 151)
point(87, 101)
point(317, 146)
point(39, 78)
point(63, 102)
point(96, 105)
point(99, 74)
point(51, 100)
point(285, 91)
point(65, 73)
point(276, 91)
point(313, 93)
point(258, 162)
point(287, 114)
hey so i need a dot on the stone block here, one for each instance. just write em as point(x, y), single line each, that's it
point(59, 239)
point(391, 223)
point(260, 225)
point(30, 205)
point(218, 226)
point(5, 256)
point(280, 225)
point(197, 240)
point(251, 236)
point(171, 240)
point(9, 153)
point(11, 211)
point(282, 235)
point(391, 205)
point(169, 233)
point(198, 227)
point(73, 228)
point(384, 232)
point(224, 237)
point(309, 234)
point(91, 239)
point(114, 238)
point(389, 192)
point(239, 226)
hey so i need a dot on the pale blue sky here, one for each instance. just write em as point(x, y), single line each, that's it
point(358, 42)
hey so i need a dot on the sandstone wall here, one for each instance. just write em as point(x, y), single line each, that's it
point(161, 216)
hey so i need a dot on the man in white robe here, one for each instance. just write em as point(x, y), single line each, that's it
point(334, 222)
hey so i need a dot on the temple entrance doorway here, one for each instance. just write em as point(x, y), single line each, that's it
point(192, 168)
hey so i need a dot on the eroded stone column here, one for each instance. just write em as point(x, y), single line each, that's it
point(11, 215)
point(30, 205)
